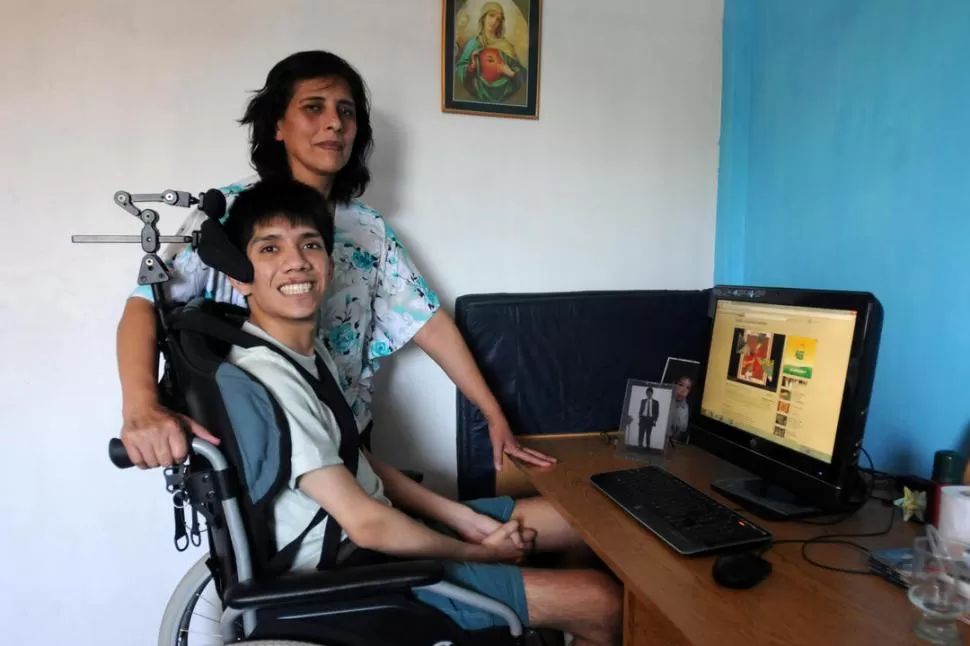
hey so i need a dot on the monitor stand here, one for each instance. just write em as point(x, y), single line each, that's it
point(769, 501)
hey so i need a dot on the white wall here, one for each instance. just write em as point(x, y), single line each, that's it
point(613, 188)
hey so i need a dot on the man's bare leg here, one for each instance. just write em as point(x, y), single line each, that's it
point(553, 532)
point(586, 603)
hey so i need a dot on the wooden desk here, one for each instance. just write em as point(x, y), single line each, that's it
point(672, 600)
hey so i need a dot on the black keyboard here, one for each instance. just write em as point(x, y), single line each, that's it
point(689, 521)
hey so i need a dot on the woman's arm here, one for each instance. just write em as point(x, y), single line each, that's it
point(137, 355)
point(400, 287)
point(442, 341)
point(152, 434)
point(420, 501)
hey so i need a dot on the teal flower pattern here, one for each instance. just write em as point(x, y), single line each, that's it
point(342, 339)
point(363, 260)
point(380, 349)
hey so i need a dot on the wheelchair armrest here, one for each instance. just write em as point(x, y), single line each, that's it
point(341, 584)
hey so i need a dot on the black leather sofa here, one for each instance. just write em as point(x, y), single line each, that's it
point(559, 362)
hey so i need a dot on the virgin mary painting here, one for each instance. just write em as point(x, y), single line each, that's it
point(489, 67)
point(494, 48)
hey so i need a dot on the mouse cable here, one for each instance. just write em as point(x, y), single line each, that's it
point(840, 539)
point(836, 539)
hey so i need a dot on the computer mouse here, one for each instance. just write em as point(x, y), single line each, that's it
point(741, 570)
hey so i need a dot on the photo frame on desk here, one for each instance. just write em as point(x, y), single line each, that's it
point(682, 374)
point(645, 420)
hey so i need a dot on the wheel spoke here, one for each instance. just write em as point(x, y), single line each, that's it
point(210, 604)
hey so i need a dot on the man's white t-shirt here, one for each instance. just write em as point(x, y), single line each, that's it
point(314, 438)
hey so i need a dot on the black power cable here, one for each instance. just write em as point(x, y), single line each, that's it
point(841, 539)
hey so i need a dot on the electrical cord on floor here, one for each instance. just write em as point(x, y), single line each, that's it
point(842, 539)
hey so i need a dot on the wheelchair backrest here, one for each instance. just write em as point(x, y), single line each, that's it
point(201, 383)
point(253, 431)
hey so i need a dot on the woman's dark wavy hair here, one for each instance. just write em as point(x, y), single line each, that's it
point(269, 103)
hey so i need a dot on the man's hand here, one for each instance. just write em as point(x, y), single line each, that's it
point(503, 442)
point(509, 543)
point(155, 436)
point(480, 529)
point(474, 527)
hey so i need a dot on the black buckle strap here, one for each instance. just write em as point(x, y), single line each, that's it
point(282, 560)
point(330, 393)
point(189, 490)
point(181, 537)
point(195, 534)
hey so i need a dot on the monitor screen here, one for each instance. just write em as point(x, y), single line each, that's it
point(779, 372)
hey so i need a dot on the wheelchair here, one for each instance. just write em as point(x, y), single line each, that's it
point(224, 598)
point(219, 601)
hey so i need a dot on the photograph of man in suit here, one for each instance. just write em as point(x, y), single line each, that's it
point(649, 414)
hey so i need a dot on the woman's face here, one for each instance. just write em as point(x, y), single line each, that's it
point(318, 129)
point(493, 20)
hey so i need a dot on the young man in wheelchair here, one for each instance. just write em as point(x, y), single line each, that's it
point(287, 235)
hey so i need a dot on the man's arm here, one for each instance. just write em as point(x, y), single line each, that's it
point(373, 525)
point(152, 434)
point(412, 497)
point(442, 341)
point(422, 502)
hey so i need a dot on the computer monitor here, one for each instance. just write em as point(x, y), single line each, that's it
point(785, 392)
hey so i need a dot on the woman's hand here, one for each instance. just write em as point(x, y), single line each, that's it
point(508, 71)
point(155, 436)
point(504, 443)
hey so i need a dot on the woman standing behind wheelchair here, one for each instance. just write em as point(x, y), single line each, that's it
point(311, 121)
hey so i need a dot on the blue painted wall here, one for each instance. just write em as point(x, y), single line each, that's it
point(845, 164)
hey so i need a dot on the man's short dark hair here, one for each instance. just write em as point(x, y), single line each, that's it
point(269, 104)
point(649, 389)
point(269, 200)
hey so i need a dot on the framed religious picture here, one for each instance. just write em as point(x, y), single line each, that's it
point(490, 57)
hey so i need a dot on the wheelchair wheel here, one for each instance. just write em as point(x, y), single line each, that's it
point(192, 615)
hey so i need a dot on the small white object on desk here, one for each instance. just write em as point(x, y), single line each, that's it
point(954, 516)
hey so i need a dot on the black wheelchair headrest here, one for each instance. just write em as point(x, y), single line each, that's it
point(217, 251)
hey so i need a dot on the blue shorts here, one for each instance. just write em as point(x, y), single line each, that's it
point(500, 582)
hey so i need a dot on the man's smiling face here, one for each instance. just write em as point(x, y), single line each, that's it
point(291, 271)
